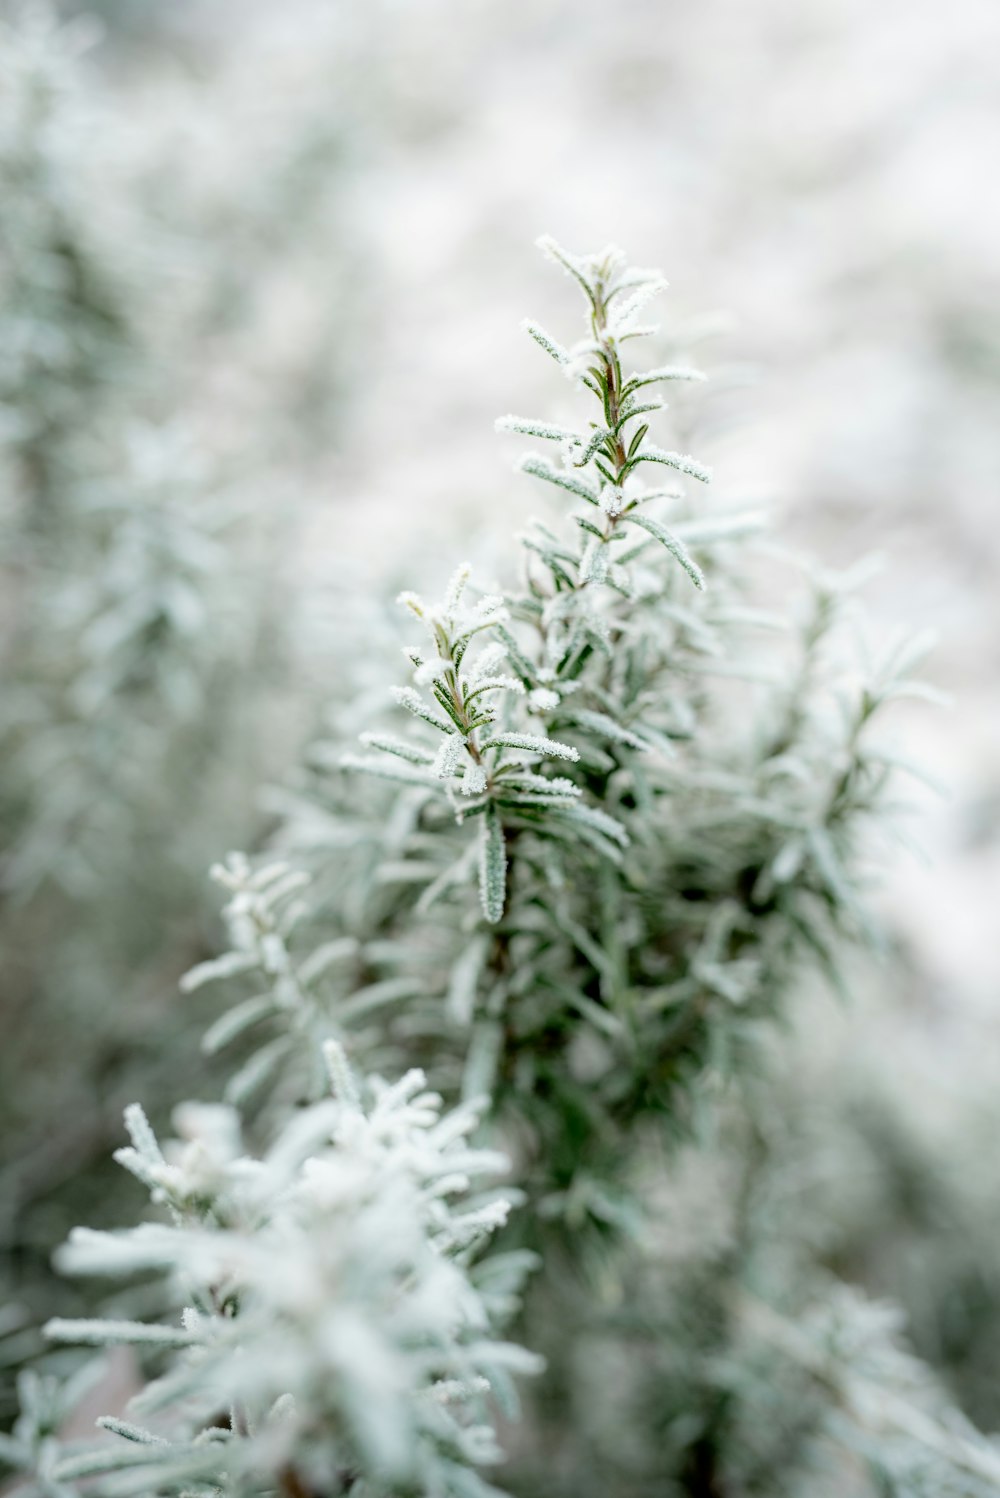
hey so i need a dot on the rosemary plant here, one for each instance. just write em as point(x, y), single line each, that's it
point(591, 852)
point(592, 884)
point(135, 627)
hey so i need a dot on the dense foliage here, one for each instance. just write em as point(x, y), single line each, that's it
point(614, 822)
point(147, 632)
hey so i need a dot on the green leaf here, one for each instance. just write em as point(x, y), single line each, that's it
point(258, 1070)
point(552, 348)
point(340, 949)
point(667, 372)
point(386, 770)
point(604, 727)
point(230, 965)
point(669, 540)
point(569, 263)
point(414, 753)
point(636, 439)
point(414, 703)
point(464, 981)
point(534, 744)
point(589, 526)
point(679, 461)
point(492, 866)
point(589, 449)
point(235, 1021)
point(482, 1060)
point(595, 819)
point(537, 466)
point(529, 427)
point(109, 1333)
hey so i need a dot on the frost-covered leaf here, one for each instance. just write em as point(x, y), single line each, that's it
point(492, 867)
point(532, 744)
point(669, 540)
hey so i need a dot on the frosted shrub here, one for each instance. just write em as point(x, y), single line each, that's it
point(68, 302)
point(331, 1311)
point(606, 873)
point(118, 541)
point(594, 849)
point(137, 623)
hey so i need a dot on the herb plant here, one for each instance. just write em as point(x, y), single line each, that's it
point(599, 843)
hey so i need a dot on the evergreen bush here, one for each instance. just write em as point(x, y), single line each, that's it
point(141, 634)
point(598, 846)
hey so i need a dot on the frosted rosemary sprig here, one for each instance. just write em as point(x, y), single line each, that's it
point(652, 864)
point(664, 883)
point(330, 1305)
point(490, 753)
point(486, 753)
point(599, 461)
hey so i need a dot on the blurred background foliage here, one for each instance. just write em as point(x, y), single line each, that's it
point(261, 270)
